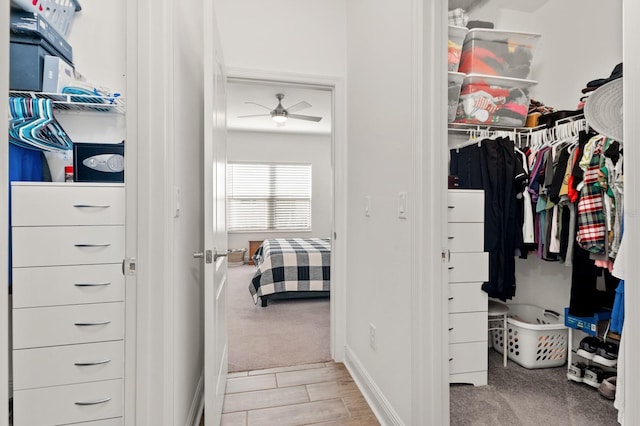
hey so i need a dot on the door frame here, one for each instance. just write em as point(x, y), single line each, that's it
point(339, 186)
point(4, 215)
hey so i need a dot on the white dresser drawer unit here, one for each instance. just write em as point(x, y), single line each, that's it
point(68, 364)
point(465, 237)
point(465, 205)
point(46, 204)
point(467, 297)
point(67, 285)
point(66, 325)
point(468, 268)
point(61, 405)
point(67, 245)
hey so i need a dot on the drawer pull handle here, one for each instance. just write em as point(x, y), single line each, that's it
point(450, 359)
point(451, 267)
point(450, 328)
point(92, 284)
point(91, 206)
point(93, 245)
point(450, 238)
point(451, 207)
point(90, 324)
point(87, 364)
point(451, 298)
point(94, 402)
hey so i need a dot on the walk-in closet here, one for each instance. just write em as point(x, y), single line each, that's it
point(536, 212)
point(66, 156)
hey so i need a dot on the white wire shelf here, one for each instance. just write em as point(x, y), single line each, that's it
point(71, 102)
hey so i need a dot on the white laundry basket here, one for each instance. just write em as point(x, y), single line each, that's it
point(536, 338)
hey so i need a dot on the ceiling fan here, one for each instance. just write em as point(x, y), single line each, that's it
point(280, 114)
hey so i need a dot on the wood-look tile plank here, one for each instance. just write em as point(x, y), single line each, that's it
point(357, 406)
point(334, 389)
point(234, 419)
point(360, 421)
point(300, 414)
point(316, 375)
point(237, 374)
point(289, 368)
point(245, 401)
point(251, 383)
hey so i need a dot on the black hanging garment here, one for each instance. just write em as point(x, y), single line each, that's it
point(500, 174)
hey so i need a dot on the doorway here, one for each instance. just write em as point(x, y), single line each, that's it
point(254, 138)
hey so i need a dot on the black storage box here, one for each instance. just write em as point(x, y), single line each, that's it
point(26, 61)
point(34, 25)
point(98, 162)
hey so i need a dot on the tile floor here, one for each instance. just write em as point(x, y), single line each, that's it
point(312, 394)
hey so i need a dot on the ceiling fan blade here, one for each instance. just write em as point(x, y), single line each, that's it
point(265, 107)
point(254, 115)
point(305, 117)
point(299, 106)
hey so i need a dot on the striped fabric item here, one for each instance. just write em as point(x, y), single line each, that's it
point(295, 264)
point(591, 218)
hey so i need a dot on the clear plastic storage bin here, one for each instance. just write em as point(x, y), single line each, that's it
point(455, 83)
point(454, 46)
point(498, 53)
point(493, 101)
point(536, 337)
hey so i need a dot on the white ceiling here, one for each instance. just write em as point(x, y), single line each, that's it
point(264, 93)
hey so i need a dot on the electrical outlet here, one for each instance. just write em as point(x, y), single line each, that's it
point(372, 336)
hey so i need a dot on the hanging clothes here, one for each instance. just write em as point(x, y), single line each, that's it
point(501, 175)
point(591, 217)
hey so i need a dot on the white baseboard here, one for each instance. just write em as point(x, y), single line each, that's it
point(379, 405)
point(197, 404)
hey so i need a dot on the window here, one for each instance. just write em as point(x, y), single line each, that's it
point(268, 197)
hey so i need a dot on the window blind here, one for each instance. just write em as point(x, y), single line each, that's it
point(268, 197)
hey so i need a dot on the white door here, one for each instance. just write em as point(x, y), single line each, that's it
point(215, 229)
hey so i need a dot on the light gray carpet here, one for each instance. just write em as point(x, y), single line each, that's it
point(516, 396)
point(287, 332)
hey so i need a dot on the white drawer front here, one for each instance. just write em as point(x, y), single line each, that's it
point(67, 245)
point(467, 297)
point(468, 267)
point(68, 204)
point(465, 205)
point(468, 327)
point(467, 357)
point(65, 325)
point(67, 285)
point(68, 364)
point(465, 236)
point(68, 404)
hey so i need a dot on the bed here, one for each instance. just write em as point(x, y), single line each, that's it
point(291, 268)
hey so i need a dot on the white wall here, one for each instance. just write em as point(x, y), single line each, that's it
point(572, 51)
point(379, 102)
point(287, 147)
point(187, 153)
point(284, 35)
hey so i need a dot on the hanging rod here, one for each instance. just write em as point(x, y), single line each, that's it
point(464, 127)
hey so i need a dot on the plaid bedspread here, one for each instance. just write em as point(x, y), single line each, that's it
point(294, 264)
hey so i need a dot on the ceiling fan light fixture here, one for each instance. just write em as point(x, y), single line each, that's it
point(279, 118)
